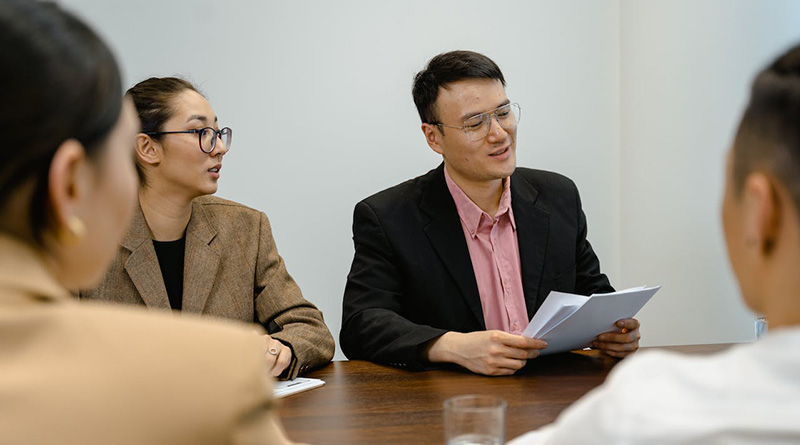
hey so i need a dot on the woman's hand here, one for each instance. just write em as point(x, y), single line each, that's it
point(279, 356)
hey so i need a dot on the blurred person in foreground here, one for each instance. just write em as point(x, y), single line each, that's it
point(80, 373)
point(749, 394)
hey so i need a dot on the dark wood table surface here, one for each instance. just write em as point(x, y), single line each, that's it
point(365, 403)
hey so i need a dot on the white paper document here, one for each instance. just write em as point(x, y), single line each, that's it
point(568, 321)
point(300, 384)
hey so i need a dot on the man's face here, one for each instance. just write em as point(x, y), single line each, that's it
point(733, 216)
point(473, 162)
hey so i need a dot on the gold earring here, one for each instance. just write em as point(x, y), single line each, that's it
point(73, 231)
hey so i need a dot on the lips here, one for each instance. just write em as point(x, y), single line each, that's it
point(215, 169)
point(501, 151)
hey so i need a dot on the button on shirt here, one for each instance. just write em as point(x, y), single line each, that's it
point(494, 251)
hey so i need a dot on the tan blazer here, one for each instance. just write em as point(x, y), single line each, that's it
point(232, 270)
point(87, 374)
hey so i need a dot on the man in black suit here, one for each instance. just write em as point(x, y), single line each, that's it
point(450, 266)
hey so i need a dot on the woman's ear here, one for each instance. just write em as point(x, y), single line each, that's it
point(148, 151)
point(762, 225)
point(69, 183)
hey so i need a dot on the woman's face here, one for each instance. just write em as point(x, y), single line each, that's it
point(185, 170)
point(107, 206)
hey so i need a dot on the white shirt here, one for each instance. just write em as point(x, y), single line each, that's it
point(748, 394)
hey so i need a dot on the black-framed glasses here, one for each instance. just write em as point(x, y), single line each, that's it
point(477, 127)
point(207, 137)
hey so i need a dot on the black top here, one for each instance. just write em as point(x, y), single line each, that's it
point(170, 258)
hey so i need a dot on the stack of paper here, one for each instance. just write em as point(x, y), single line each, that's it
point(568, 321)
point(300, 384)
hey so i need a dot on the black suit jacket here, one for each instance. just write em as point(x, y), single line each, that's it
point(412, 280)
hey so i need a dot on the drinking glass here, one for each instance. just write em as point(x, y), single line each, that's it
point(475, 420)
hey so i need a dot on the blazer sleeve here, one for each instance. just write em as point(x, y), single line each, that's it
point(588, 278)
point(373, 325)
point(282, 310)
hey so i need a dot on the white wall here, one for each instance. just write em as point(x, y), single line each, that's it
point(318, 94)
point(685, 75)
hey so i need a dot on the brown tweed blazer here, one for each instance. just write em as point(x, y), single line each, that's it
point(95, 374)
point(231, 269)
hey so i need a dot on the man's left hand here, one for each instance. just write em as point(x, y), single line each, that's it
point(621, 343)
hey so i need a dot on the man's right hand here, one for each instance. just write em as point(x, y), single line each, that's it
point(484, 352)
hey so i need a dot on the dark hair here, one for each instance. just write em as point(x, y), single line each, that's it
point(153, 100)
point(60, 82)
point(768, 137)
point(445, 69)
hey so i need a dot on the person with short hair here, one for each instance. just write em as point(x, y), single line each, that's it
point(449, 267)
point(750, 393)
point(199, 254)
point(75, 373)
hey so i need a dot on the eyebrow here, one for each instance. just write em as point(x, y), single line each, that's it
point(201, 118)
point(473, 114)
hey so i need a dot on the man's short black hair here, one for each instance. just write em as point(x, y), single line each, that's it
point(768, 138)
point(445, 69)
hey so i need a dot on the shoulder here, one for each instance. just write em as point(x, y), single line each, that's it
point(405, 196)
point(228, 216)
point(216, 205)
point(643, 400)
point(134, 327)
point(115, 338)
point(213, 369)
point(406, 190)
point(544, 181)
point(668, 382)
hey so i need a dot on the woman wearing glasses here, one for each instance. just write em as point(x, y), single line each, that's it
point(196, 253)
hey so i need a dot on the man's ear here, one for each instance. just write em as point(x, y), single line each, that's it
point(148, 151)
point(764, 212)
point(433, 136)
point(69, 182)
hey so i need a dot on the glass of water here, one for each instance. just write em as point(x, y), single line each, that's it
point(761, 327)
point(475, 419)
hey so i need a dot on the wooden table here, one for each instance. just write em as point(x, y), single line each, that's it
point(365, 403)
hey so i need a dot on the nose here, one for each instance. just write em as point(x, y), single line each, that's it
point(496, 131)
point(219, 147)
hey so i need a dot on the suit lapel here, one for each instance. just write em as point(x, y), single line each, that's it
point(142, 264)
point(201, 261)
point(533, 223)
point(447, 237)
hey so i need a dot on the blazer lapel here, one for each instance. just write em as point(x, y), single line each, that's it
point(447, 237)
point(142, 264)
point(533, 224)
point(201, 261)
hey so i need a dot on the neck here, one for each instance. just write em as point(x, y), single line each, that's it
point(485, 194)
point(780, 287)
point(166, 216)
point(781, 302)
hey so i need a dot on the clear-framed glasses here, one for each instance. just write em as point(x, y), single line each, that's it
point(207, 137)
point(477, 127)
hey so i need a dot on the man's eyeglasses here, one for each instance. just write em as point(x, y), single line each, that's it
point(477, 127)
point(207, 137)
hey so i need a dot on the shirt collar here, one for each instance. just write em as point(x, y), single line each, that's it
point(470, 213)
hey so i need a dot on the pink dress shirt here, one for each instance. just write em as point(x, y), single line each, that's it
point(494, 251)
